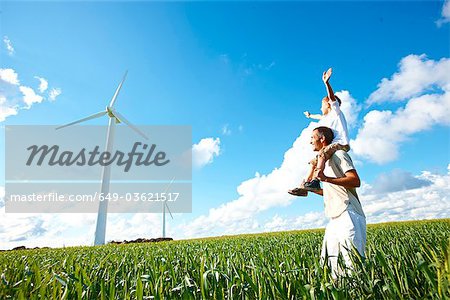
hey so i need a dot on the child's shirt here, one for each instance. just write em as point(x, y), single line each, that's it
point(335, 120)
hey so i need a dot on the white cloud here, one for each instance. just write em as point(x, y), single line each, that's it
point(43, 84)
point(307, 221)
point(9, 93)
point(14, 96)
point(45, 230)
point(204, 152)
point(257, 194)
point(226, 130)
point(8, 45)
point(445, 14)
point(425, 84)
point(349, 107)
point(29, 96)
point(417, 75)
point(446, 10)
point(277, 223)
point(9, 76)
point(132, 226)
point(73, 229)
point(5, 110)
point(54, 92)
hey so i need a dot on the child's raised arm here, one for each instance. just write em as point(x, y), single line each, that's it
point(326, 77)
point(311, 116)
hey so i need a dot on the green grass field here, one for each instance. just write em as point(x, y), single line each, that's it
point(408, 260)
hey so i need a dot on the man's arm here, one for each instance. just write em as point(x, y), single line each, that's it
point(326, 77)
point(349, 180)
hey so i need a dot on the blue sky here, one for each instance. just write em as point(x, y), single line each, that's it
point(241, 74)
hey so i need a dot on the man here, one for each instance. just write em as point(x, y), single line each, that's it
point(347, 226)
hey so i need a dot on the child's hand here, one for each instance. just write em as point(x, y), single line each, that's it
point(321, 176)
point(307, 114)
point(326, 75)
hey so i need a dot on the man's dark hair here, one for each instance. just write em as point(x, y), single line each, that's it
point(325, 132)
point(338, 100)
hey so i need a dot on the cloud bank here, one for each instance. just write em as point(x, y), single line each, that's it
point(421, 83)
point(430, 200)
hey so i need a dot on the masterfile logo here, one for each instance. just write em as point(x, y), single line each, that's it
point(53, 156)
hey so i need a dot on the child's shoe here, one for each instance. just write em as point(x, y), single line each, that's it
point(313, 185)
point(298, 192)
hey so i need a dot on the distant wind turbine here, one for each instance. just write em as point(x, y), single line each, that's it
point(164, 205)
point(114, 117)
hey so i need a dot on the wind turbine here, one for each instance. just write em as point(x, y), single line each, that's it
point(114, 118)
point(164, 205)
point(164, 218)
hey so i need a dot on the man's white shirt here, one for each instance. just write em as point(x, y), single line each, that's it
point(337, 199)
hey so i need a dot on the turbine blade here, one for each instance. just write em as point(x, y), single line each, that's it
point(94, 116)
point(123, 119)
point(165, 203)
point(169, 185)
point(113, 100)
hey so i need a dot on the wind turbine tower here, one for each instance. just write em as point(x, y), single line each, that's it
point(114, 118)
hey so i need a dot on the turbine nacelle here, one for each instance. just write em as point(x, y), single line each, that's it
point(110, 113)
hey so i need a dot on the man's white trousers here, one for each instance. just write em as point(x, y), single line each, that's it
point(341, 234)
